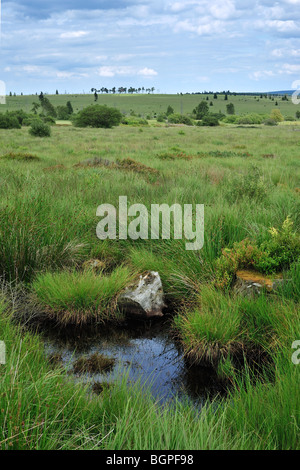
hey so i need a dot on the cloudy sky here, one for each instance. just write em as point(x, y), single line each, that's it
point(174, 46)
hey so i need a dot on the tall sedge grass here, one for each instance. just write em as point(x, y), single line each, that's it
point(212, 329)
point(220, 327)
point(30, 241)
point(81, 297)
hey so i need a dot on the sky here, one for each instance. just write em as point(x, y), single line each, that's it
point(173, 46)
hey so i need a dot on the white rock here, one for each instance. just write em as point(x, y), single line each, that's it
point(145, 299)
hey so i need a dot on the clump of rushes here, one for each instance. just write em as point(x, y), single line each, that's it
point(71, 297)
point(211, 329)
point(93, 364)
point(225, 331)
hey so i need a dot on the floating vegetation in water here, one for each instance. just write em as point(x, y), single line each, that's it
point(93, 364)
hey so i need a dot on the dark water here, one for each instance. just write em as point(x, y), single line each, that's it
point(147, 352)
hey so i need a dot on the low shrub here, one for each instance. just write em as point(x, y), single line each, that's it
point(177, 118)
point(209, 120)
point(232, 119)
point(98, 116)
point(270, 122)
point(161, 118)
point(290, 118)
point(39, 128)
point(251, 118)
point(134, 121)
point(276, 254)
point(9, 122)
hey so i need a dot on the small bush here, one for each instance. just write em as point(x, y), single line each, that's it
point(290, 118)
point(161, 118)
point(277, 253)
point(63, 113)
point(232, 119)
point(180, 119)
point(283, 248)
point(270, 122)
point(49, 120)
point(251, 118)
point(40, 129)
point(98, 116)
point(209, 120)
point(276, 115)
point(133, 120)
point(9, 122)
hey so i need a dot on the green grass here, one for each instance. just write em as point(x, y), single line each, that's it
point(213, 330)
point(80, 297)
point(48, 230)
point(221, 325)
point(146, 104)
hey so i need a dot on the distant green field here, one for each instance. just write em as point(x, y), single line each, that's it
point(145, 104)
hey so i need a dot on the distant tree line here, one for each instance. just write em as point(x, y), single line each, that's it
point(121, 90)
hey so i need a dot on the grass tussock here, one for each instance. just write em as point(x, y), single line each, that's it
point(221, 328)
point(212, 329)
point(72, 297)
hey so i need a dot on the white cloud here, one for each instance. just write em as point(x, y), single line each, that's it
point(287, 52)
point(262, 74)
point(111, 71)
point(223, 9)
point(146, 72)
point(290, 68)
point(73, 34)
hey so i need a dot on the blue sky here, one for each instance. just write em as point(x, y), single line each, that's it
point(174, 46)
